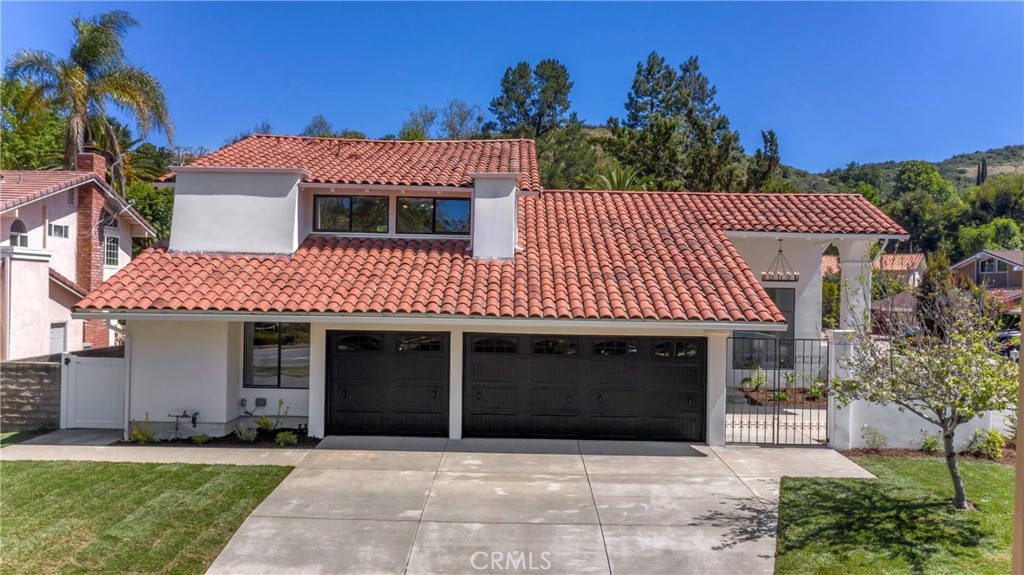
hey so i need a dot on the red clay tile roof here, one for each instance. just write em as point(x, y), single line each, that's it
point(384, 162)
point(22, 186)
point(67, 284)
point(894, 263)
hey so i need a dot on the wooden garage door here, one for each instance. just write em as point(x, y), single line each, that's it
point(387, 383)
point(584, 387)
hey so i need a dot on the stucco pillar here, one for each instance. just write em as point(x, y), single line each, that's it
point(717, 364)
point(455, 386)
point(855, 265)
point(317, 379)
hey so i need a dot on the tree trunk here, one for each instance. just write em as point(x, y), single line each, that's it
point(74, 141)
point(959, 495)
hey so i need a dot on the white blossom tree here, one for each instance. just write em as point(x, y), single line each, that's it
point(940, 362)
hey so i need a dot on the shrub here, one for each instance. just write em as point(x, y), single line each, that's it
point(781, 395)
point(987, 443)
point(790, 378)
point(814, 393)
point(266, 424)
point(873, 439)
point(755, 381)
point(245, 433)
point(930, 443)
point(141, 433)
point(286, 438)
point(201, 439)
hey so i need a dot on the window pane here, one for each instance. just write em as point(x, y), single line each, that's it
point(675, 349)
point(420, 343)
point(261, 354)
point(494, 345)
point(415, 215)
point(294, 354)
point(614, 347)
point(332, 213)
point(452, 217)
point(370, 214)
point(111, 255)
point(359, 343)
point(554, 347)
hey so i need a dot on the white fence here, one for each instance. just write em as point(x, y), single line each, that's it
point(92, 392)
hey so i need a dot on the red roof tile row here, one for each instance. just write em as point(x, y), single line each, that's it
point(893, 263)
point(382, 162)
point(19, 187)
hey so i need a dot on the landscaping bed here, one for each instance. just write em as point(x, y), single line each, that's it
point(794, 397)
point(264, 439)
point(1009, 454)
point(901, 522)
point(90, 517)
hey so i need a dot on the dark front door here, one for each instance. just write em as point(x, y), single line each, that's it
point(387, 383)
point(584, 387)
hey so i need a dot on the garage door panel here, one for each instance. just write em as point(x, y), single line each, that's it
point(608, 387)
point(388, 383)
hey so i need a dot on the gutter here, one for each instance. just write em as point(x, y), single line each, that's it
point(127, 376)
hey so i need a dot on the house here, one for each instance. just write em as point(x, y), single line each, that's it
point(66, 232)
point(999, 271)
point(909, 268)
point(435, 288)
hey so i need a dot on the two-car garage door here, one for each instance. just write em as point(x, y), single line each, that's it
point(389, 383)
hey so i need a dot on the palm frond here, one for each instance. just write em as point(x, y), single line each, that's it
point(98, 45)
point(135, 91)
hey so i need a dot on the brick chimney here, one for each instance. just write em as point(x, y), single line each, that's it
point(89, 162)
point(89, 243)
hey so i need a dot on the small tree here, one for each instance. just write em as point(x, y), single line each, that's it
point(947, 372)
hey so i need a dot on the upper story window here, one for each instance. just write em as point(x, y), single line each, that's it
point(993, 265)
point(360, 214)
point(58, 231)
point(19, 234)
point(112, 251)
point(433, 216)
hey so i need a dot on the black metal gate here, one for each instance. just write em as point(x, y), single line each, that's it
point(777, 391)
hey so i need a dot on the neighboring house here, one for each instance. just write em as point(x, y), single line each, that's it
point(908, 267)
point(994, 269)
point(434, 288)
point(64, 234)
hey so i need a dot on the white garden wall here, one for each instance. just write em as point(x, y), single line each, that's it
point(901, 429)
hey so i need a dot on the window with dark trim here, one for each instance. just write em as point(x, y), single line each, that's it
point(359, 343)
point(675, 349)
point(498, 345)
point(276, 355)
point(554, 347)
point(19, 234)
point(614, 347)
point(993, 265)
point(448, 216)
point(420, 343)
point(358, 214)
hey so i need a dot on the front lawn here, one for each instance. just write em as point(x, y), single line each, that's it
point(901, 522)
point(85, 517)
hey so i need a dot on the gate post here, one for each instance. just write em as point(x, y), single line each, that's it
point(717, 362)
point(840, 435)
point(456, 349)
point(66, 365)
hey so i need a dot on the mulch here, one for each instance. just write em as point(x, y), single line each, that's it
point(795, 397)
point(1009, 454)
point(264, 440)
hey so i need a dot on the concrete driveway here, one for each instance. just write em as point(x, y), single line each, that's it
point(418, 506)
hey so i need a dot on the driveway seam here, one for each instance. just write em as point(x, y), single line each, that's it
point(426, 500)
point(597, 512)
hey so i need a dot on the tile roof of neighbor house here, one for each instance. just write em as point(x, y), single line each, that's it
point(19, 187)
point(67, 283)
point(894, 263)
point(587, 255)
point(383, 162)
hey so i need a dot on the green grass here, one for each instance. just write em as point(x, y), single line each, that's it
point(901, 522)
point(85, 517)
point(12, 437)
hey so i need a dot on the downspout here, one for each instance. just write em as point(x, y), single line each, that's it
point(127, 375)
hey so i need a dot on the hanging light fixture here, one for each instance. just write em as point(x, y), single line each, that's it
point(780, 270)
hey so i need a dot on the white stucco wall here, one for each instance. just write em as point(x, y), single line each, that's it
point(901, 429)
point(29, 309)
point(804, 255)
point(235, 212)
point(61, 303)
point(495, 216)
point(36, 215)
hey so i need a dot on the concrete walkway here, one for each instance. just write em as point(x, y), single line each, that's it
point(398, 505)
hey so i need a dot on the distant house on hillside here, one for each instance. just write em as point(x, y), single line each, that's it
point(998, 270)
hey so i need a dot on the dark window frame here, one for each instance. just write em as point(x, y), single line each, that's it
point(673, 347)
point(351, 207)
point(549, 349)
point(363, 338)
point(433, 216)
point(247, 355)
point(492, 345)
point(436, 341)
point(617, 347)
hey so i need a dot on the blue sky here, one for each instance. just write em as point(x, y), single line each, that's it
point(838, 82)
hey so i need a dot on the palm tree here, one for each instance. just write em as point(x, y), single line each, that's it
point(620, 178)
point(94, 75)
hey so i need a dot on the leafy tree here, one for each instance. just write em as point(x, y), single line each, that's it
point(156, 205)
point(532, 102)
point(1001, 196)
point(410, 133)
point(565, 155)
point(95, 75)
point(830, 301)
point(654, 94)
point(30, 141)
point(420, 124)
point(460, 121)
point(948, 374)
point(764, 167)
point(655, 152)
point(999, 234)
point(927, 221)
point(915, 176)
point(318, 127)
point(713, 155)
point(982, 171)
point(263, 127)
point(351, 134)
